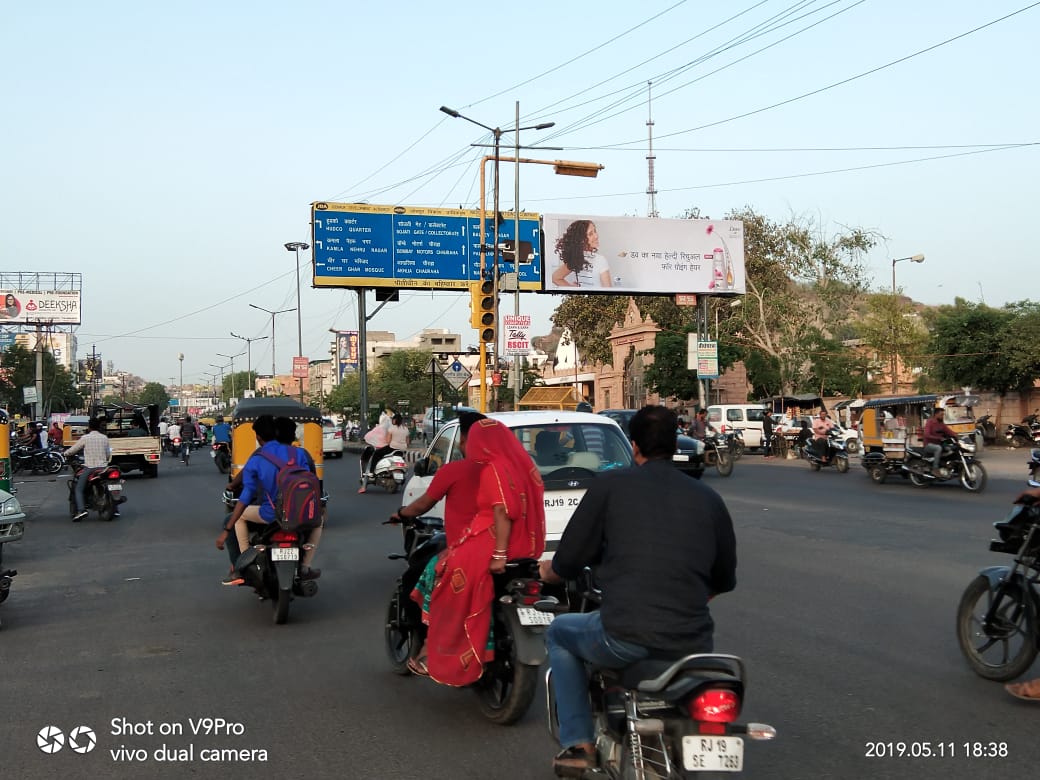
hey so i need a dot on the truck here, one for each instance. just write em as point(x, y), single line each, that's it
point(132, 430)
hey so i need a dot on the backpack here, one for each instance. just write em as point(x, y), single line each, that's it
point(298, 503)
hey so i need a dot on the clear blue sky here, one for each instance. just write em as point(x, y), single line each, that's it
point(167, 155)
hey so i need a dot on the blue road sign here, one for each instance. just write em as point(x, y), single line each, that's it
point(358, 245)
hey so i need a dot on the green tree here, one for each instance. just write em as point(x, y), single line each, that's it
point(19, 371)
point(403, 375)
point(967, 346)
point(892, 326)
point(235, 385)
point(154, 393)
point(345, 395)
point(1019, 343)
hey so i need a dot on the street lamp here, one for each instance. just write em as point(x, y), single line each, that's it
point(561, 167)
point(180, 387)
point(221, 369)
point(232, 359)
point(296, 246)
point(895, 364)
point(249, 356)
point(272, 313)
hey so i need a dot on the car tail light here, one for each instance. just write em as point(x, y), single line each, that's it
point(337, 435)
point(715, 705)
point(284, 536)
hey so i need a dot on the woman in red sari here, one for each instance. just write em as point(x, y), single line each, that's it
point(510, 523)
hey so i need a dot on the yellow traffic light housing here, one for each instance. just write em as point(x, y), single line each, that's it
point(483, 309)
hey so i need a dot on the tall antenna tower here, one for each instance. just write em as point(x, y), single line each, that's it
point(651, 188)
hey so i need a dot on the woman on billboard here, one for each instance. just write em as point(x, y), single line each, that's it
point(581, 264)
point(10, 308)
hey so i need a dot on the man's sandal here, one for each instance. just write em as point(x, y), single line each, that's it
point(1026, 691)
point(573, 762)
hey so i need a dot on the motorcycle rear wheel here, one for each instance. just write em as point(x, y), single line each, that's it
point(1012, 638)
point(1018, 441)
point(106, 507)
point(737, 449)
point(877, 474)
point(974, 478)
point(842, 465)
point(281, 606)
point(52, 463)
point(507, 687)
point(919, 480)
point(724, 463)
point(401, 642)
point(223, 462)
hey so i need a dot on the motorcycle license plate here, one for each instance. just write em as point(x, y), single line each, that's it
point(398, 476)
point(533, 617)
point(115, 488)
point(285, 553)
point(712, 754)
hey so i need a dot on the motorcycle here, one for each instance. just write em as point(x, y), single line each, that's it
point(36, 460)
point(507, 687)
point(1023, 434)
point(836, 454)
point(663, 717)
point(957, 461)
point(221, 454)
point(104, 491)
point(735, 442)
point(388, 473)
point(6, 576)
point(986, 428)
point(271, 565)
point(997, 627)
point(717, 453)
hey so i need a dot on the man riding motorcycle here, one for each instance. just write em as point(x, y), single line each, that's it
point(656, 576)
point(935, 431)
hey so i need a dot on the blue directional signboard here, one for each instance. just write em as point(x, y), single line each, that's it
point(360, 245)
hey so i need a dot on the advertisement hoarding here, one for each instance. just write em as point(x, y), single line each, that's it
point(31, 307)
point(347, 346)
point(517, 335)
point(364, 245)
point(586, 254)
point(300, 367)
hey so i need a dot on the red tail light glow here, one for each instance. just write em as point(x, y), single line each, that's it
point(715, 705)
point(284, 536)
point(114, 474)
point(337, 435)
point(531, 593)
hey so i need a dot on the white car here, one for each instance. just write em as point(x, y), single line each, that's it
point(569, 448)
point(331, 438)
point(12, 518)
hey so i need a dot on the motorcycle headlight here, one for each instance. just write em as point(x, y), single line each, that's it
point(11, 507)
point(968, 446)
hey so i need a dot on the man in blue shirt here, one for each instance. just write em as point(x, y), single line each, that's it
point(259, 480)
point(221, 432)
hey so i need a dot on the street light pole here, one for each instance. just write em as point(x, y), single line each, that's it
point(221, 369)
point(296, 246)
point(180, 387)
point(895, 359)
point(232, 359)
point(249, 356)
point(272, 313)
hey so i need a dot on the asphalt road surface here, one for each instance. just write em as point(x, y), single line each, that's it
point(844, 613)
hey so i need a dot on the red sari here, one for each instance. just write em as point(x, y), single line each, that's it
point(460, 606)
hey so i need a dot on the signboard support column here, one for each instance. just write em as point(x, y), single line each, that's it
point(702, 335)
point(39, 371)
point(362, 363)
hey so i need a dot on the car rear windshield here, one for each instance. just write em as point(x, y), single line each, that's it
point(595, 447)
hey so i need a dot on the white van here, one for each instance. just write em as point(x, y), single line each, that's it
point(746, 416)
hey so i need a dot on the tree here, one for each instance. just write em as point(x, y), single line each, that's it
point(235, 385)
point(403, 375)
point(345, 395)
point(967, 346)
point(154, 393)
point(18, 370)
point(892, 326)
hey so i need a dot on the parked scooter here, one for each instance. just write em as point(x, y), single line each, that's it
point(1023, 434)
point(956, 462)
point(663, 717)
point(388, 473)
point(507, 687)
point(986, 428)
point(835, 454)
point(997, 616)
point(104, 491)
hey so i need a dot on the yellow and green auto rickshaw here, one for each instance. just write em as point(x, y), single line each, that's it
point(887, 426)
point(243, 440)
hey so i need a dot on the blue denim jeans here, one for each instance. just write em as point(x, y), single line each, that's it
point(573, 640)
point(81, 486)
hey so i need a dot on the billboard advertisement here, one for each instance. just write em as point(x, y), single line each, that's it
point(347, 346)
point(364, 245)
point(31, 307)
point(637, 255)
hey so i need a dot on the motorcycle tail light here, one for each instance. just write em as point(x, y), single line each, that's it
point(715, 705)
point(284, 536)
point(114, 474)
point(531, 593)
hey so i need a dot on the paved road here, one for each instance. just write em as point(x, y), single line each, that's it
point(844, 613)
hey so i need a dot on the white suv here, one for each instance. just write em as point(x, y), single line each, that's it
point(569, 448)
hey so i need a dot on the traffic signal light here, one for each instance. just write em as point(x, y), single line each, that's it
point(483, 309)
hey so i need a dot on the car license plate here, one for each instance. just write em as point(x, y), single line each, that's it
point(285, 554)
point(683, 458)
point(713, 754)
point(533, 617)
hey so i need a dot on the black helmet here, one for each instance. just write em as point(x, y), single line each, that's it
point(220, 419)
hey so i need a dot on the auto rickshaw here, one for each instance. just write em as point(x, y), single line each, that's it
point(887, 426)
point(243, 440)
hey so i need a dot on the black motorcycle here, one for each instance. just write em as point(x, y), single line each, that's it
point(662, 717)
point(1023, 434)
point(997, 627)
point(104, 491)
point(507, 687)
point(986, 428)
point(717, 453)
point(956, 462)
point(36, 460)
point(834, 454)
point(221, 454)
point(271, 565)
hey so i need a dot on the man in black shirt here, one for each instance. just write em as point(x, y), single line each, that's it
point(656, 570)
